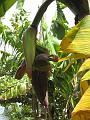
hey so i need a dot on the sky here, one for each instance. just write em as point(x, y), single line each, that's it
point(31, 6)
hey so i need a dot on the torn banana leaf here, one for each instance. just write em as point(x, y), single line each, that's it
point(84, 83)
point(82, 109)
point(29, 45)
point(85, 65)
point(77, 40)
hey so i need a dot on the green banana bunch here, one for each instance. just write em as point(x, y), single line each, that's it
point(29, 46)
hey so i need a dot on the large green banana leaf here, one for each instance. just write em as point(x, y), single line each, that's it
point(5, 5)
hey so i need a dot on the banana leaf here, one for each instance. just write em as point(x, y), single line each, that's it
point(84, 83)
point(85, 66)
point(77, 40)
point(72, 56)
point(82, 109)
point(5, 5)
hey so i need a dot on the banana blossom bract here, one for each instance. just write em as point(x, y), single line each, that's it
point(29, 45)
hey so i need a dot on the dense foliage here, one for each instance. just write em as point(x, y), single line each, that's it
point(17, 96)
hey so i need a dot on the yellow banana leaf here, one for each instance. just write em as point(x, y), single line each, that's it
point(86, 76)
point(84, 82)
point(78, 38)
point(82, 109)
point(73, 56)
point(83, 86)
point(85, 65)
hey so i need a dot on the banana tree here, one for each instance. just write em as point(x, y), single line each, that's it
point(80, 9)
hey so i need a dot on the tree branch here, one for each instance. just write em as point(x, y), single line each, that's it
point(40, 13)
